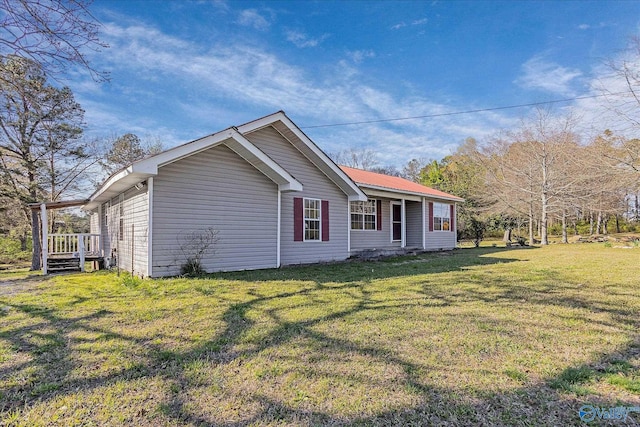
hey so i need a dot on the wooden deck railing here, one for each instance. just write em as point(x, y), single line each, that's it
point(70, 244)
point(79, 245)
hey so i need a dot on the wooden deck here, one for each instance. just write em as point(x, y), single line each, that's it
point(69, 252)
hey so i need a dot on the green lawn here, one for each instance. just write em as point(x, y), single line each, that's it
point(478, 336)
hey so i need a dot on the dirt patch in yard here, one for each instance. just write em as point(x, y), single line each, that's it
point(10, 286)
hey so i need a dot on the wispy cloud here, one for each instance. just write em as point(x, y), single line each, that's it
point(358, 56)
point(540, 74)
point(303, 40)
point(412, 23)
point(252, 18)
point(210, 87)
point(593, 26)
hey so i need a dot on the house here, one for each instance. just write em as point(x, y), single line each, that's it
point(399, 214)
point(272, 197)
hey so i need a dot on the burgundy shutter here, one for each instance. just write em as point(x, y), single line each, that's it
point(453, 219)
point(298, 219)
point(379, 214)
point(430, 216)
point(325, 220)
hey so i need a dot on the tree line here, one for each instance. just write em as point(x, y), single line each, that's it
point(539, 174)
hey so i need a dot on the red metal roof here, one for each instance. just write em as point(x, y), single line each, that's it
point(394, 183)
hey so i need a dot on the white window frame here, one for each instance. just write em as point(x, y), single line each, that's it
point(372, 204)
point(104, 221)
point(438, 210)
point(318, 219)
point(121, 232)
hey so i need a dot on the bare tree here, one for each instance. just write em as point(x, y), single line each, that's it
point(413, 169)
point(362, 158)
point(126, 149)
point(53, 33)
point(386, 170)
point(531, 168)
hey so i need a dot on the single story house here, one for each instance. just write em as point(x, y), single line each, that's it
point(273, 198)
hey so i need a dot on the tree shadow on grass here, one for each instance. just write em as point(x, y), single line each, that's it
point(385, 268)
point(282, 339)
point(548, 402)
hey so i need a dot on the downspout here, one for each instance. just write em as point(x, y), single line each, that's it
point(424, 224)
point(279, 228)
point(349, 227)
point(150, 227)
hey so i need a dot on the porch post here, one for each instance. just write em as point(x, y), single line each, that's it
point(81, 251)
point(100, 214)
point(454, 223)
point(44, 244)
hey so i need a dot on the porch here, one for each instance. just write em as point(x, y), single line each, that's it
point(68, 251)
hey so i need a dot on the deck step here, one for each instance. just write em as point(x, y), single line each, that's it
point(63, 264)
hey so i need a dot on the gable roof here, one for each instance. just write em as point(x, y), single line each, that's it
point(234, 139)
point(394, 184)
point(292, 133)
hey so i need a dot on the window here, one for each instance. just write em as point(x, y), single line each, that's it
point(312, 219)
point(441, 217)
point(363, 215)
point(105, 215)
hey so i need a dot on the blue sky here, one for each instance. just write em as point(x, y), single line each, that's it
point(184, 69)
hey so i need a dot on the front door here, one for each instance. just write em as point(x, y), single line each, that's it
point(396, 222)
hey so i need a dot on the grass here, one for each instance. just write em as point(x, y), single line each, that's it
point(485, 336)
point(11, 255)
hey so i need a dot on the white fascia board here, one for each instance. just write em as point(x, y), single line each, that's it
point(260, 123)
point(185, 150)
point(110, 181)
point(416, 195)
point(349, 187)
point(106, 189)
point(256, 157)
point(145, 168)
point(325, 159)
point(106, 192)
point(375, 193)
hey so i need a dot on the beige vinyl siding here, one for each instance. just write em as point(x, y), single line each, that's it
point(436, 240)
point(317, 186)
point(94, 222)
point(130, 248)
point(105, 230)
point(375, 239)
point(413, 216)
point(215, 188)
